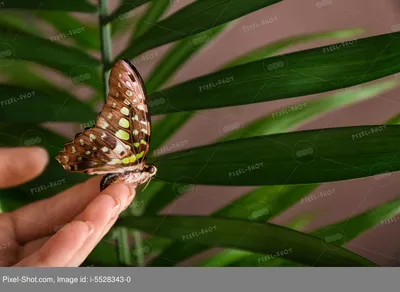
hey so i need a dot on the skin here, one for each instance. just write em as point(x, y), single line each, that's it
point(60, 231)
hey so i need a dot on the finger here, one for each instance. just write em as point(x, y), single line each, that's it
point(112, 222)
point(101, 212)
point(19, 165)
point(61, 247)
point(32, 247)
point(44, 217)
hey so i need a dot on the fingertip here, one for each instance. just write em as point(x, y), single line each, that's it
point(40, 151)
point(117, 189)
point(122, 192)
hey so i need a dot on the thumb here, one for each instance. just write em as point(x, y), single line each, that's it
point(19, 165)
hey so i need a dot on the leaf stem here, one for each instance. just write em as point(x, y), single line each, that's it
point(139, 252)
point(106, 54)
point(125, 258)
point(106, 45)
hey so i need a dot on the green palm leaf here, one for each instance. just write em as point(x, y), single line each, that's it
point(347, 229)
point(197, 17)
point(74, 63)
point(295, 158)
point(296, 74)
point(71, 5)
point(247, 235)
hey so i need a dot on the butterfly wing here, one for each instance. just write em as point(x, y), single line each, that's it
point(120, 139)
point(128, 100)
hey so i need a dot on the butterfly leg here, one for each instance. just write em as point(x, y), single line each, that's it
point(108, 179)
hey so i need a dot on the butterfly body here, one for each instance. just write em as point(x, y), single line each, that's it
point(119, 142)
point(132, 177)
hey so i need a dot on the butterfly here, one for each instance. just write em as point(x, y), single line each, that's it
point(118, 144)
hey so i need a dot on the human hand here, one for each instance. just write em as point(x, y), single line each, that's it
point(85, 214)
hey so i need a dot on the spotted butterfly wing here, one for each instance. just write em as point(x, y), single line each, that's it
point(120, 140)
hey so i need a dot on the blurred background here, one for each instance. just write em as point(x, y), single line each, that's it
point(289, 18)
point(330, 202)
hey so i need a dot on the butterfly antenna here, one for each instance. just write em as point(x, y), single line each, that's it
point(146, 185)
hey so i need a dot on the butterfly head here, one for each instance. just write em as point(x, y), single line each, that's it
point(151, 170)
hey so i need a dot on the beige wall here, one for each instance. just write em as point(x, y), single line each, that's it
point(284, 19)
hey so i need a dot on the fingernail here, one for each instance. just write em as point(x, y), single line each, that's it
point(116, 208)
point(90, 226)
point(132, 191)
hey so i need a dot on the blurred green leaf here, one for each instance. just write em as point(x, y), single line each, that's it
point(125, 7)
point(164, 129)
point(18, 104)
point(70, 5)
point(251, 236)
point(265, 203)
point(347, 230)
point(171, 62)
point(228, 256)
point(153, 13)
point(197, 17)
point(104, 254)
point(294, 158)
point(279, 45)
point(259, 205)
point(356, 225)
point(32, 77)
point(155, 197)
point(81, 67)
point(34, 80)
point(260, 260)
point(301, 73)
point(55, 175)
point(124, 24)
point(28, 134)
point(394, 120)
point(296, 115)
point(143, 197)
point(159, 198)
point(85, 35)
point(17, 23)
point(12, 199)
point(124, 254)
point(178, 55)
